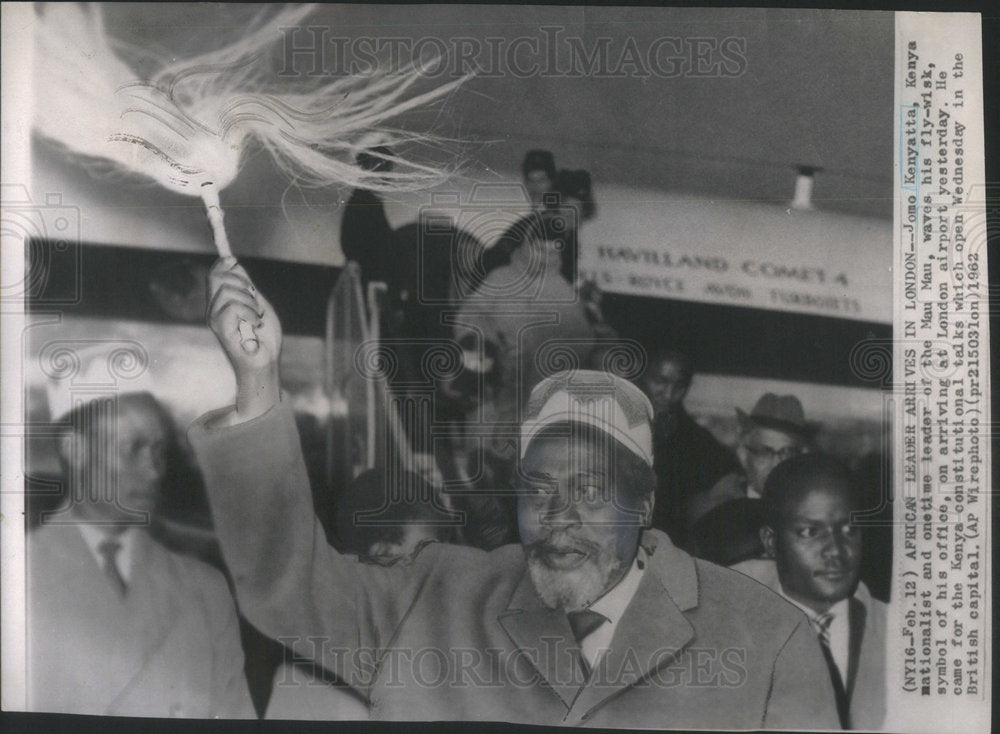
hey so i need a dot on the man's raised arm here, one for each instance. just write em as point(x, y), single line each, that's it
point(290, 583)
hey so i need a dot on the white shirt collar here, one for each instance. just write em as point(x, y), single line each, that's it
point(614, 602)
point(613, 605)
point(837, 610)
point(94, 535)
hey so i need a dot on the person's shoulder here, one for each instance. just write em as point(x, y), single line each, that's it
point(194, 574)
point(463, 560)
point(364, 195)
point(879, 608)
point(735, 585)
point(47, 543)
point(877, 611)
point(461, 568)
point(761, 570)
point(42, 537)
point(745, 601)
point(719, 589)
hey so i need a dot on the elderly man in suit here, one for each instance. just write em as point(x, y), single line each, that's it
point(118, 624)
point(814, 561)
point(589, 620)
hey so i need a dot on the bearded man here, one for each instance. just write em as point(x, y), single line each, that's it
point(591, 619)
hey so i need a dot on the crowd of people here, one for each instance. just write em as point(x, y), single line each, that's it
point(593, 511)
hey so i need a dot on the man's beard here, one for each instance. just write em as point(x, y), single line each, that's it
point(575, 588)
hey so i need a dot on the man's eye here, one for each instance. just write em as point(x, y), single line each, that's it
point(537, 490)
point(807, 532)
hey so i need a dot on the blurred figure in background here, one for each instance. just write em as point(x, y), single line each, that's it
point(366, 236)
point(814, 554)
point(384, 526)
point(531, 313)
point(538, 173)
point(574, 206)
point(119, 625)
point(533, 319)
point(464, 406)
point(688, 458)
point(430, 253)
point(538, 169)
point(725, 520)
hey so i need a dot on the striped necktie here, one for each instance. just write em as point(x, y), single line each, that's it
point(821, 623)
point(109, 552)
point(582, 623)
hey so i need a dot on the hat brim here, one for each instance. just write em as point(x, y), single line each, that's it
point(776, 424)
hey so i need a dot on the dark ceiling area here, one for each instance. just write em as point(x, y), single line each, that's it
point(777, 88)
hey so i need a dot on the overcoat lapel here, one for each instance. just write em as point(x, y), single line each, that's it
point(100, 628)
point(651, 634)
point(153, 604)
point(544, 636)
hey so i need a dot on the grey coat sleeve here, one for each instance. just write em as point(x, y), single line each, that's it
point(290, 583)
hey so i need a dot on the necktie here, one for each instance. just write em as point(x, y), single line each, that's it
point(109, 552)
point(583, 623)
point(822, 624)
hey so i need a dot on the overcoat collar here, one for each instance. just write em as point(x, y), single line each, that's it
point(652, 632)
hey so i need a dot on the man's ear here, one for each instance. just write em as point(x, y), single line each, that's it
point(767, 538)
point(741, 453)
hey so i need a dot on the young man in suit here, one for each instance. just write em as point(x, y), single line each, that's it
point(591, 619)
point(815, 561)
point(118, 624)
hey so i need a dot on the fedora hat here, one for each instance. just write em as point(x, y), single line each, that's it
point(778, 412)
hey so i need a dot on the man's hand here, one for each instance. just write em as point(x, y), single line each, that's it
point(232, 298)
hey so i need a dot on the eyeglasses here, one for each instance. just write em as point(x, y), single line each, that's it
point(778, 455)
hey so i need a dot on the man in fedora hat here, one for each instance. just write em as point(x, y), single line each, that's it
point(592, 619)
point(775, 430)
point(725, 520)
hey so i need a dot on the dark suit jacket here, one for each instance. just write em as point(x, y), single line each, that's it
point(460, 633)
point(688, 461)
point(170, 647)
